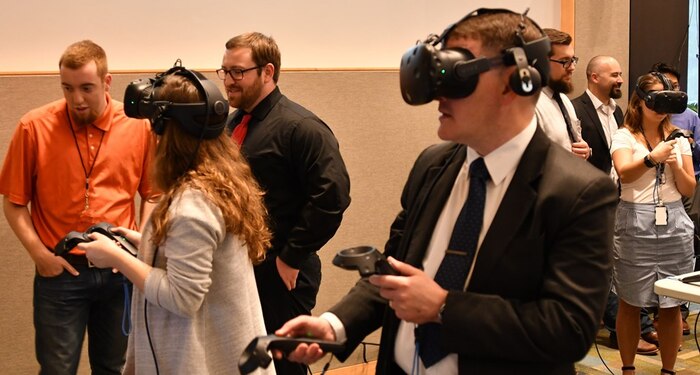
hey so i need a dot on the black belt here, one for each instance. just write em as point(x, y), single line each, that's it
point(77, 260)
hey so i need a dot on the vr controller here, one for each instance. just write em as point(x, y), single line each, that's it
point(366, 259)
point(73, 238)
point(255, 354)
point(677, 133)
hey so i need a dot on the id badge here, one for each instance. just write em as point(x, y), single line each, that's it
point(661, 215)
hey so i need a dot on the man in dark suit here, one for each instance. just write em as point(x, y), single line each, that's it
point(534, 295)
point(600, 118)
point(596, 108)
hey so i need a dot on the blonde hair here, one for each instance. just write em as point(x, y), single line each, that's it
point(215, 167)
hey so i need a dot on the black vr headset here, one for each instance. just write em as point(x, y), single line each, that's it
point(663, 101)
point(428, 72)
point(202, 120)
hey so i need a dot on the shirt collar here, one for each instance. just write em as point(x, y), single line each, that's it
point(502, 161)
point(548, 91)
point(597, 103)
point(262, 109)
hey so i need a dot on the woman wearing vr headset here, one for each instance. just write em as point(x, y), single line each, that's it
point(653, 234)
point(195, 302)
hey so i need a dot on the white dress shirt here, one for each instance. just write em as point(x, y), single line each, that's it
point(606, 115)
point(501, 164)
point(551, 120)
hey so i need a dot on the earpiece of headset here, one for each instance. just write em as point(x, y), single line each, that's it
point(428, 72)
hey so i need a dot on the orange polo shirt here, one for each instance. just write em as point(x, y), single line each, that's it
point(43, 167)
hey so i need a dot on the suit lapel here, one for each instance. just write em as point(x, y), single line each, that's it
point(430, 203)
point(516, 205)
point(593, 115)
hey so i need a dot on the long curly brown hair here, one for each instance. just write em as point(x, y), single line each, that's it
point(214, 167)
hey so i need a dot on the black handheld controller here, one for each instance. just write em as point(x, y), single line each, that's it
point(73, 238)
point(255, 354)
point(365, 259)
point(677, 133)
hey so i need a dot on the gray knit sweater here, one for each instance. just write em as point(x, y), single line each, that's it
point(202, 302)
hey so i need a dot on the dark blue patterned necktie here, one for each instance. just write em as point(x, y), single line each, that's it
point(453, 271)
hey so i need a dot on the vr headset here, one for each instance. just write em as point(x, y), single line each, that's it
point(663, 101)
point(202, 120)
point(428, 72)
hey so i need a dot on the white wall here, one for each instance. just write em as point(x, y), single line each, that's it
point(151, 34)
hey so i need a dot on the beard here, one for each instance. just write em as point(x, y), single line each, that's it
point(559, 85)
point(615, 92)
point(84, 118)
point(248, 96)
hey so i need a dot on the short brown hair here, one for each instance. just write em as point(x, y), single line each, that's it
point(264, 48)
point(557, 38)
point(80, 53)
point(496, 30)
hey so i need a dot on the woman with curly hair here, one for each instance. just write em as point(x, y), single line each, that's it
point(195, 304)
point(653, 234)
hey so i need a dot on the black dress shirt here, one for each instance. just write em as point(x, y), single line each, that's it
point(296, 159)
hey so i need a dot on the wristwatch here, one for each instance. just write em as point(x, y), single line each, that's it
point(648, 162)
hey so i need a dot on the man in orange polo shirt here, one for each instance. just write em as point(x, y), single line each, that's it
point(78, 161)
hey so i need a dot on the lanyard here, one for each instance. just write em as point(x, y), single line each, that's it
point(86, 172)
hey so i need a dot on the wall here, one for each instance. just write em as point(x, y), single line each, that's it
point(313, 34)
point(602, 28)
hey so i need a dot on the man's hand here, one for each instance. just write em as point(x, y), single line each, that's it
point(306, 326)
point(415, 297)
point(287, 273)
point(50, 265)
point(581, 149)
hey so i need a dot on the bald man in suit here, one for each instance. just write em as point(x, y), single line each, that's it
point(596, 108)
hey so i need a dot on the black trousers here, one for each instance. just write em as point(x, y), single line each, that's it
point(279, 305)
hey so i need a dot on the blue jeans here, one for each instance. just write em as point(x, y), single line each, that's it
point(65, 305)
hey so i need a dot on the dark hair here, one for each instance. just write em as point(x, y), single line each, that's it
point(264, 50)
point(665, 69)
point(557, 38)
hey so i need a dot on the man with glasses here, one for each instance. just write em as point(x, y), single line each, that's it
point(555, 113)
point(296, 159)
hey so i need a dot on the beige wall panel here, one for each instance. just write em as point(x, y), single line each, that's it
point(602, 28)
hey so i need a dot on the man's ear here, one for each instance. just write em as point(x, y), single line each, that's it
point(507, 93)
point(268, 72)
point(107, 82)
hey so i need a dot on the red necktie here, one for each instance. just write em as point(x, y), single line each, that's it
point(240, 130)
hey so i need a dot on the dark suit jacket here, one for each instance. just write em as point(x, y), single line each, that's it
point(592, 131)
point(541, 278)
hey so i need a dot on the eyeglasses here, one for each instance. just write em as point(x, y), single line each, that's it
point(566, 63)
point(235, 74)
